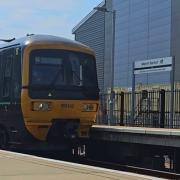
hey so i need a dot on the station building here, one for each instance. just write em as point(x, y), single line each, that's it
point(144, 29)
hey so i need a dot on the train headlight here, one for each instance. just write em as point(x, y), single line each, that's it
point(89, 107)
point(41, 106)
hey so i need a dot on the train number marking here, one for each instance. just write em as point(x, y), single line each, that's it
point(67, 106)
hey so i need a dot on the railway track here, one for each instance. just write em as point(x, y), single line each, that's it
point(127, 168)
point(111, 165)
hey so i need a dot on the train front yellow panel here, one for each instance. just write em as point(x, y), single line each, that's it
point(39, 122)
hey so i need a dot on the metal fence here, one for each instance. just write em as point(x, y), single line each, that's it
point(152, 109)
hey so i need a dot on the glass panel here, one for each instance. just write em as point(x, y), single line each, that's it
point(62, 68)
point(8, 66)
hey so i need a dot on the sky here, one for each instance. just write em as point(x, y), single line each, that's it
point(53, 17)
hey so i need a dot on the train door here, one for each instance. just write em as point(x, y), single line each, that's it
point(10, 92)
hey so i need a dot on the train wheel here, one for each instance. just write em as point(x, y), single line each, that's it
point(3, 139)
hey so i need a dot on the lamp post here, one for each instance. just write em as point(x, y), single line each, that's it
point(111, 101)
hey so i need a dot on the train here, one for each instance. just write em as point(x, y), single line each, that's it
point(49, 91)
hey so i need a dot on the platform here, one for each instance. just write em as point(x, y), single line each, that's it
point(16, 166)
point(140, 135)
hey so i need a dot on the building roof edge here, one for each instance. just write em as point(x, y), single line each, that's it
point(87, 17)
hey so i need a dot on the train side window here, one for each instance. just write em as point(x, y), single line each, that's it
point(7, 61)
point(6, 88)
point(17, 74)
point(1, 74)
point(8, 66)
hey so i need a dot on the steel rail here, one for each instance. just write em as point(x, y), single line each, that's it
point(128, 168)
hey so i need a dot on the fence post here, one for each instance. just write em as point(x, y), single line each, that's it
point(122, 109)
point(111, 108)
point(133, 96)
point(172, 93)
point(162, 108)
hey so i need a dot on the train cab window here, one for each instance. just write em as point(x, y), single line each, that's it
point(88, 71)
point(45, 69)
point(57, 68)
point(75, 69)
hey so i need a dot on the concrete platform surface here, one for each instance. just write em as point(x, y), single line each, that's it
point(139, 130)
point(140, 135)
point(16, 166)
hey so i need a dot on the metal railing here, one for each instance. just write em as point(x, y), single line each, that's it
point(152, 109)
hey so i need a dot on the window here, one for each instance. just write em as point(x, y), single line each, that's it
point(7, 61)
point(57, 68)
point(16, 75)
point(8, 66)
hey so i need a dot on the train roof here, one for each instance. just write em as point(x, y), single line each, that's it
point(36, 39)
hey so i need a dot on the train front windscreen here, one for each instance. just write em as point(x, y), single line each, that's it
point(62, 74)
